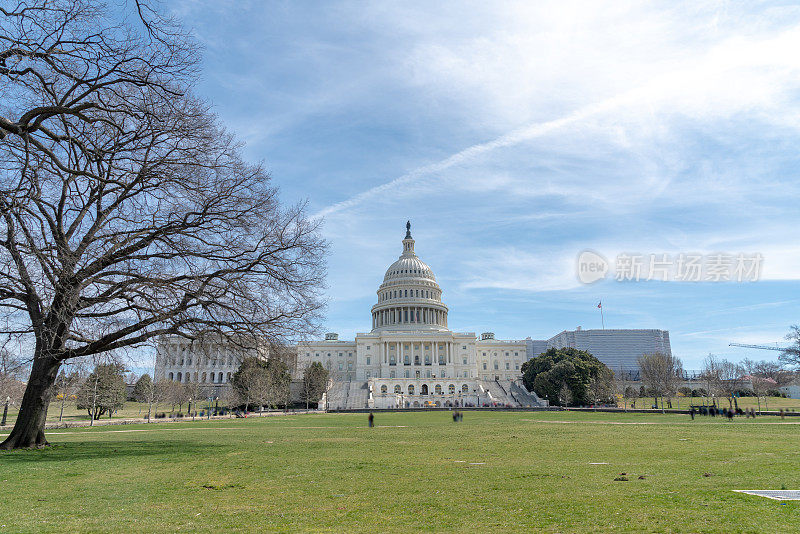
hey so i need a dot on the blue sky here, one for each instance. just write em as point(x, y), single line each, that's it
point(516, 135)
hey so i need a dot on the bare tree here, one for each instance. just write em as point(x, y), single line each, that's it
point(69, 381)
point(661, 373)
point(791, 355)
point(731, 378)
point(126, 212)
point(12, 373)
point(710, 374)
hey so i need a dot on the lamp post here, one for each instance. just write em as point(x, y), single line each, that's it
point(5, 411)
point(216, 405)
point(208, 414)
point(190, 408)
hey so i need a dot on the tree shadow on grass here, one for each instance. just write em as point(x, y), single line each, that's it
point(92, 450)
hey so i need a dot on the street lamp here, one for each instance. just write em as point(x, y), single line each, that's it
point(5, 411)
point(190, 408)
point(208, 415)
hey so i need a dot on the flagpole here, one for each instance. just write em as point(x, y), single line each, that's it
point(602, 320)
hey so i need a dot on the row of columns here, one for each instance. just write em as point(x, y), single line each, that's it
point(400, 351)
point(409, 315)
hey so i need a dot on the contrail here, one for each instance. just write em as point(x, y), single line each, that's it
point(514, 137)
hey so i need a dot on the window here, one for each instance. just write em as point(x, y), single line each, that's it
point(495, 366)
point(368, 348)
point(465, 360)
point(411, 389)
point(219, 377)
point(406, 373)
point(516, 354)
point(451, 389)
point(484, 354)
point(506, 354)
point(329, 355)
point(438, 389)
point(465, 374)
point(341, 366)
point(464, 389)
point(484, 366)
point(508, 366)
point(367, 360)
point(464, 347)
point(424, 389)
point(349, 366)
point(391, 373)
point(171, 376)
point(368, 374)
point(397, 389)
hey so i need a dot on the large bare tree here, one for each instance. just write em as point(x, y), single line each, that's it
point(661, 373)
point(126, 211)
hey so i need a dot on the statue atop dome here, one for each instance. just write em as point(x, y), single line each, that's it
point(408, 230)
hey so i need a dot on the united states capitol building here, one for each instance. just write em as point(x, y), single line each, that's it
point(411, 357)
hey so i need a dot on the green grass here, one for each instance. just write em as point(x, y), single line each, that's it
point(131, 410)
point(494, 472)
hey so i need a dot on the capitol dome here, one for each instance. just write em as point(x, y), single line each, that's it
point(409, 297)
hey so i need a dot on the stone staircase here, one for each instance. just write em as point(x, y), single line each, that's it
point(523, 397)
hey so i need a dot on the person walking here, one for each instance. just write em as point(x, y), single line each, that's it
point(371, 420)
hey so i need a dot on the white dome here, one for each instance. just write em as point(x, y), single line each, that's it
point(409, 266)
point(409, 297)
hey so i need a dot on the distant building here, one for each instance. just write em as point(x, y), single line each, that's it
point(617, 348)
point(208, 363)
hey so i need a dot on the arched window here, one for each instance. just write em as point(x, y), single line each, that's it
point(424, 390)
point(411, 389)
point(171, 376)
point(398, 389)
point(384, 389)
point(416, 360)
point(219, 377)
point(464, 389)
point(203, 377)
point(451, 389)
point(229, 377)
point(407, 359)
point(438, 389)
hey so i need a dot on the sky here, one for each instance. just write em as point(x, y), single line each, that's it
point(514, 136)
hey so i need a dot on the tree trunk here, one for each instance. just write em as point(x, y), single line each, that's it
point(28, 431)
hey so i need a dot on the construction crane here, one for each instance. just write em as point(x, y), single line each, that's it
point(763, 347)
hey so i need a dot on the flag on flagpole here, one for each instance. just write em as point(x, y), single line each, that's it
point(600, 304)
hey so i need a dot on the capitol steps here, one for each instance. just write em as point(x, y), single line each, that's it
point(523, 397)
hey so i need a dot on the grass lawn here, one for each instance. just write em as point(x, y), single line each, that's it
point(493, 472)
point(131, 410)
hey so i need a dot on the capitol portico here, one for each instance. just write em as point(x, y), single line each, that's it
point(410, 357)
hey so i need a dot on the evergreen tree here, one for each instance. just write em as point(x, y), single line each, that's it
point(142, 389)
point(567, 377)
